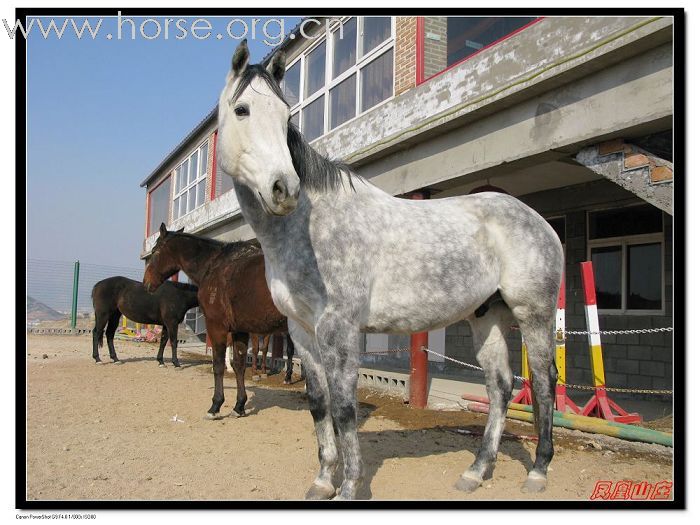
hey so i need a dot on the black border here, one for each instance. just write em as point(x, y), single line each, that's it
point(679, 273)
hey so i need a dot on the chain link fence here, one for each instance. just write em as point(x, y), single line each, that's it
point(50, 293)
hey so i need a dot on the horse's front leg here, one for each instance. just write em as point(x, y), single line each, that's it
point(218, 353)
point(319, 405)
point(238, 353)
point(339, 346)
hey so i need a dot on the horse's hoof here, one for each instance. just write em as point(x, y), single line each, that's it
point(212, 417)
point(236, 413)
point(176, 365)
point(255, 377)
point(534, 483)
point(467, 484)
point(320, 492)
point(161, 365)
point(287, 382)
point(117, 362)
point(98, 362)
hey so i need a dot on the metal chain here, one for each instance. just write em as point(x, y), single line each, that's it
point(609, 332)
point(522, 379)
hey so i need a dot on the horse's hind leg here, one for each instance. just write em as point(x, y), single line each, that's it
point(163, 341)
point(111, 330)
point(290, 364)
point(320, 407)
point(536, 322)
point(488, 333)
point(218, 354)
point(265, 346)
point(539, 338)
point(239, 352)
point(255, 348)
point(101, 320)
point(172, 333)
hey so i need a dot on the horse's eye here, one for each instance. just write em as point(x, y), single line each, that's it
point(241, 111)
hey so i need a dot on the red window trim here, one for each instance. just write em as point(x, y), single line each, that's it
point(212, 192)
point(420, 50)
point(148, 204)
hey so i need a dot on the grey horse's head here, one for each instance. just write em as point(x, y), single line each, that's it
point(252, 137)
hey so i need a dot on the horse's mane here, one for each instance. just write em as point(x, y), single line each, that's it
point(315, 171)
point(231, 247)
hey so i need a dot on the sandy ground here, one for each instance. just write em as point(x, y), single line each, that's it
point(133, 431)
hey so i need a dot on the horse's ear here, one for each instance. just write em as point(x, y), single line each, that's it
point(240, 57)
point(277, 64)
point(180, 230)
point(163, 230)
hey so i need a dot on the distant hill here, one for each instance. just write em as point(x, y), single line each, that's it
point(38, 311)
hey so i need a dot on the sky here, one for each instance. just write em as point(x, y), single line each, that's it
point(101, 115)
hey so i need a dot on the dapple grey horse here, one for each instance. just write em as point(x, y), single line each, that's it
point(343, 257)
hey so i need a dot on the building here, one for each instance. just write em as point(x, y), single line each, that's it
point(573, 115)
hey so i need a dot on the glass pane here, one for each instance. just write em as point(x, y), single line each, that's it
point(559, 226)
point(644, 277)
point(450, 39)
point(183, 204)
point(607, 270)
point(375, 31)
point(225, 184)
point(158, 206)
point(343, 102)
point(201, 186)
point(633, 220)
point(313, 119)
point(295, 119)
point(178, 181)
point(205, 158)
point(193, 167)
point(344, 48)
point(377, 80)
point(290, 84)
point(315, 70)
point(191, 199)
point(176, 209)
point(185, 173)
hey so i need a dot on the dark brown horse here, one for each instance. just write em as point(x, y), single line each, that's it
point(117, 296)
point(233, 295)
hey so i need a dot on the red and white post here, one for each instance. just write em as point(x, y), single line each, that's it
point(563, 402)
point(600, 405)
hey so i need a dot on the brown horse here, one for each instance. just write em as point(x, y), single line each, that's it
point(115, 296)
point(233, 296)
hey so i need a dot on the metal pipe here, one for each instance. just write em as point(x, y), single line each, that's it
point(74, 306)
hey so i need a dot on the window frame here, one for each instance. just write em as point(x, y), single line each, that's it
point(361, 61)
point(624, 241)
point(200, 177)
point(420, 48)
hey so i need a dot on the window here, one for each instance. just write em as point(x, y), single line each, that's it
point(347, 74)
point(158, 200)
point(448, 40)
point(626, 248)
point(191, 182)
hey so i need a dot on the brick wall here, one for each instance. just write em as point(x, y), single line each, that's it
point(210, 166)
point(405, 53)
point(435, 45)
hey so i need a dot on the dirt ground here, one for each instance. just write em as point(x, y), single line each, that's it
point(134, 431)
